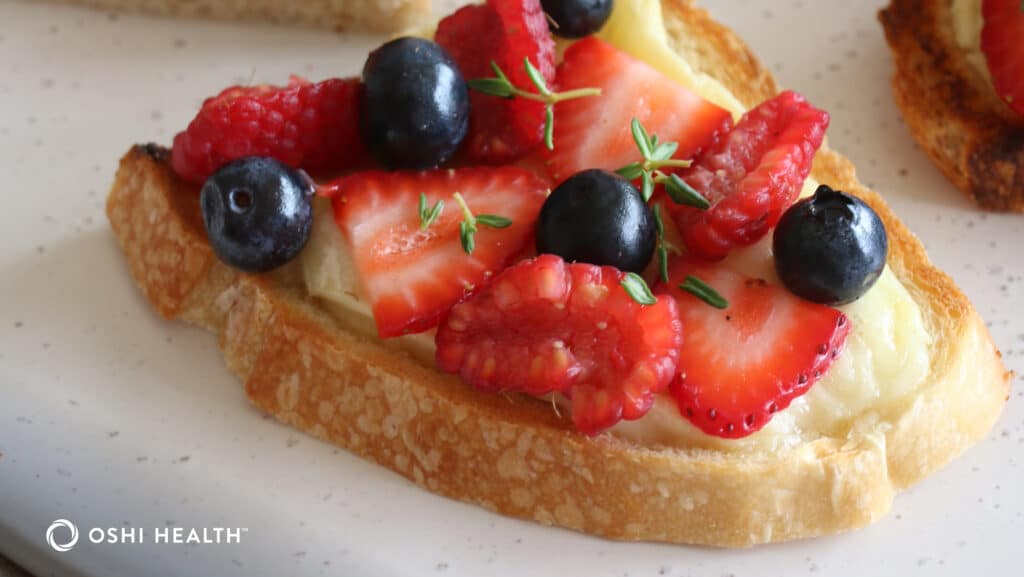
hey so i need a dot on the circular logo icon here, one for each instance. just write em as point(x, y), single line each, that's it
point(51, 539)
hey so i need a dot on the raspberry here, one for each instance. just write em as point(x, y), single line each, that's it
point(545, 326)
point(307, 125)
point(751, 175)
point(505, 32)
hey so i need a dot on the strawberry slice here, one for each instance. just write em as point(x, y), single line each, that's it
point(505, 32)
point(751, 175)
point(1002, 43)
point(595, 132)
point(411, 275)
point(741, 365)
point(545, 326)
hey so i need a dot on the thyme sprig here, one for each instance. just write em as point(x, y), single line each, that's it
point(502, 87)
point(470, 223)
point(654, 157)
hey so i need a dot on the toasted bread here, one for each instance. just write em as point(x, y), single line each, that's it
point(951, 108)
point(513, 454)
point(353, 15)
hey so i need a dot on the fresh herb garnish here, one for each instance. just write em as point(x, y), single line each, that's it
point(429, 214)
point(468, 226)
point(663, 247)
point(704, 292)
point(638, 290)
point(682, 193)
point(656, 156)
point(502, 87)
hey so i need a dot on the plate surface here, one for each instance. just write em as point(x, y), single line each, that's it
point(110, 417)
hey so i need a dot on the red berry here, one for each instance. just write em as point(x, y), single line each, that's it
point(751, 175)
point(1002, 42)
point(410, 275)
point(304, 125)
point(506, 32)
point(741, 365)
point(545, 326)
point(595, 132)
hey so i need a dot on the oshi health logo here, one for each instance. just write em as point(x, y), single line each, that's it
point(62, 535)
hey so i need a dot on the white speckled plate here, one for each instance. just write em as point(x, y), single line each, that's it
point(111, 417)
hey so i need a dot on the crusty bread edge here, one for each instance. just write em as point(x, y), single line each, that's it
point(514, 455)
point(349, 15)
point(950, 108)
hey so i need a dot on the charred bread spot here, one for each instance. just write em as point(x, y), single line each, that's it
point(155, 151)
point(997, 173)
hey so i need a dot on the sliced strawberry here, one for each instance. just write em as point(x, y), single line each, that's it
point(741, 365)
point(595, 132)
point(505, 32)
point(751, 175)
point(545, 326)
point(412, 276)
point(1002, 42)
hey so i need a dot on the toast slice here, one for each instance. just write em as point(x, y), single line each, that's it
point(951, 108)
point(352, 15)
point(513, 454)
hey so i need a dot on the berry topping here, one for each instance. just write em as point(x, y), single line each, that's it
point(544, 326)
point(597, 217)
point(415, 111)
point(409, 250)
point(577, 18)
point(751, 175)
point(312, 126)
point(257, 213)
point(507, 33)
point(741, 364)
point(830, 248)
point(1001, 42)
point(596, 132)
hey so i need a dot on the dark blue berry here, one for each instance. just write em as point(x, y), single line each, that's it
point(830, 248)
point(597, 217)
point(416, 104)
point(257, 213)
point(577, 18)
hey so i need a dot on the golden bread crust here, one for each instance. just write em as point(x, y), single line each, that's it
point(352, 15)
point(514, 455)
point(950, 108)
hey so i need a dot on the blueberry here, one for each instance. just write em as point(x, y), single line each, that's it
point(577, 18)
point(258, 213)
point(597, 217)
point(415, 109)
point(830, 248)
